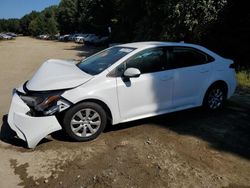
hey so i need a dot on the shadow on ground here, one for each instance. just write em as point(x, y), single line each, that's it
point(226, 130)
point(8, 136)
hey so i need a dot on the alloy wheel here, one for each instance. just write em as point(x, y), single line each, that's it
point(85, 122)
point(215, 98)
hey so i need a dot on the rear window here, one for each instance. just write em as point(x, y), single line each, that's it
point(185, 57)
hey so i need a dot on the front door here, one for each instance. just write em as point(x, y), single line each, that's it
point(150, 93)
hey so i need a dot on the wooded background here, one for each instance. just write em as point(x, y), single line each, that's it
point(221, 25)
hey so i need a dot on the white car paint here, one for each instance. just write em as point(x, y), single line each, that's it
point(30, 129)
point(183, 94)
point(142, 100)
point(57, 74)
point(148, 95)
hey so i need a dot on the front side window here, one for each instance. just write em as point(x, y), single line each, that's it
point(101, 61)
point(148, 61)
point(185, 57)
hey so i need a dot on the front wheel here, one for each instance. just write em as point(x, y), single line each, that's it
point(85, 121)
point(214, 98)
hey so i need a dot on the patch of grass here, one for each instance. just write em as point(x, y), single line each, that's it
point(243, 78)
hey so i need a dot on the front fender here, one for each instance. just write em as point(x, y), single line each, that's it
point(108, 97)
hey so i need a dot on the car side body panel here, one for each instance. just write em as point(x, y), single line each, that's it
point(189, 84)
point(226, 74)
point(146, 94)
point(100, 88)
point(103, 91)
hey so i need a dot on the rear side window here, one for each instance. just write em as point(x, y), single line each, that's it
point(186, 57)
point(148, 61)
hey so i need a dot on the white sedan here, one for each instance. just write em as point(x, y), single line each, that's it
point(120, 84)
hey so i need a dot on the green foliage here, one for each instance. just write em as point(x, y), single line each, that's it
point(243, 78)
point(11, 25)
point(128, 14)
point(222, 25)
point(130, 20)
point(25, 22)
point(94, 15)
point(230, 35)
point(45, 22)
point(36, 26)
point(194, 17)
point(67, 16)
point(35, 23)
point(177, 19)
point(52, 28)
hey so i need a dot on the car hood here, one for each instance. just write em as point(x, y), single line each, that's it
point(57, 74)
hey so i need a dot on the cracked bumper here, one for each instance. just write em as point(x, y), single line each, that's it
point(30, 129)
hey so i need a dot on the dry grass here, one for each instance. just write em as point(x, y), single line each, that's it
point(243, 78)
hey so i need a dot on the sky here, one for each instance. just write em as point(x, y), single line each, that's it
point(18, 8)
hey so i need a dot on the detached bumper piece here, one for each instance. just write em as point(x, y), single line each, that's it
point(28, 128)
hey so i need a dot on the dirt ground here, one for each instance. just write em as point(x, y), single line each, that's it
point(191, 148)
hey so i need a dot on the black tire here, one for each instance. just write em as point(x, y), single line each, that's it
point(71, 114)
point(210, 96)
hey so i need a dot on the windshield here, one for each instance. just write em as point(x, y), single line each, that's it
point(104, 59)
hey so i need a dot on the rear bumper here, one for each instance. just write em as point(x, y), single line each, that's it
point(232, 84)
point(30, 129)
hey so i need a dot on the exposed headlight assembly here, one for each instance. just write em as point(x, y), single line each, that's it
point(45, 103)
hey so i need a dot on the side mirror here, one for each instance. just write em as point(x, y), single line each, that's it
point(132, 73)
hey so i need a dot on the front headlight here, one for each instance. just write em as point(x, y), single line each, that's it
point(48, 102)
point(45, 103)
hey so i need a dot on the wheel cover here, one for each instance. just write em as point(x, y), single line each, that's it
point(215, 98)
point(85, 122)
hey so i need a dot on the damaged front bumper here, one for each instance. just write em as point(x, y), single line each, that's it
point(28, 128)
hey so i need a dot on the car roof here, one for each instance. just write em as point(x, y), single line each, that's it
point(157, 44)
point(150, 44)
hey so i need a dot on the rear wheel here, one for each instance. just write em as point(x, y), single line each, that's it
point(215, 97)
point(85, 121)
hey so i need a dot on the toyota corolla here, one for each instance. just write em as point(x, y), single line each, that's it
point(120, 84)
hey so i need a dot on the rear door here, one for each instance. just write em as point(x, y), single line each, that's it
point(192, 70)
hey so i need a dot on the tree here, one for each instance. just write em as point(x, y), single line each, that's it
point(193, 17)
point(95, 15)
point(52, 26)
point(67, 12)
point(50, 18)
point(177, 19)
point(25, 22)
point(45, 22)
point(10, 25)
point(37, 26)
point(128, 14)
point(230, 35)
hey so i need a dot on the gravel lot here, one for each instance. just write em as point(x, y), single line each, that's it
point(185, 149)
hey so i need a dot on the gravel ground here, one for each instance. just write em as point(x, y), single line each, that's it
point(191, 148)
